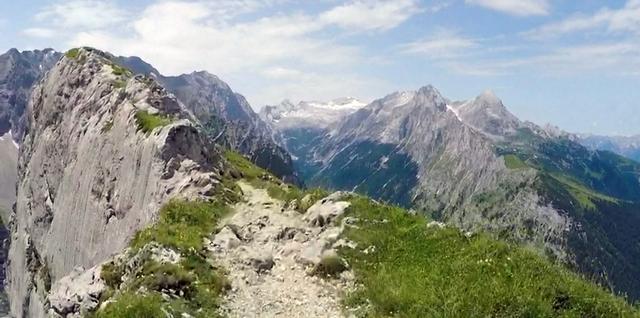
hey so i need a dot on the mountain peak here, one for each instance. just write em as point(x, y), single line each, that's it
point(489, 95)
point(13, 51)
point(429, 95)
point(428, 90)
point(310, 114)
point(488, 114)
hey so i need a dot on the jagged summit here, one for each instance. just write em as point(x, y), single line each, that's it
point(486, 113)
point(489, 96)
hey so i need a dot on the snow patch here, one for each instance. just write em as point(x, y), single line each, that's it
point(454, 111)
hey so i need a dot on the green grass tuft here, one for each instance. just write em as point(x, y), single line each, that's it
point(415, 271)
point(148, 122)
point(130, 304)
point(120, 71)
point(514, 162)
point(73, 53)
point(183, 225)
point(112, 274)
point(243, 166)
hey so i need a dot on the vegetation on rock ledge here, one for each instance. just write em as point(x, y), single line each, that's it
point(147, 122)
point(194, 282)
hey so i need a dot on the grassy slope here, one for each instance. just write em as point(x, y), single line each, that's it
point(414, 271)
point(417, 271)
point(600, 191)
point(183, 225)
point(421, 272)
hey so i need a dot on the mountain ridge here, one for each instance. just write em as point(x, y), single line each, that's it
point(475, 165)
point(226, 114)
point(173, 224)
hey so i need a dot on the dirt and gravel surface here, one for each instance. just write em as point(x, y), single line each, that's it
point(269, 250)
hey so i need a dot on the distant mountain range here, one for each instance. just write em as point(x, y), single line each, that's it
point(309, 114)
point(470, 163)
point(628, 146)
point(474, 164)
point(132, 202)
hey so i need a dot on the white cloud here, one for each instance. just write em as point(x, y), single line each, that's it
point(82, 14)
point(439, 6)
point(622, 58)
point(307, 85)
point(625, 19)
point(442, 45)
point(278, 72)
point(180, 36)
point(515, 7)
point(371, 14)
point(39, 33)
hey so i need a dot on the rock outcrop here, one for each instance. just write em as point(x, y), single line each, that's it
point(226, 115)
point(93, 170)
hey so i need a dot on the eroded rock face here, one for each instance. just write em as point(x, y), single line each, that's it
point(225, 115)
point(89, 178)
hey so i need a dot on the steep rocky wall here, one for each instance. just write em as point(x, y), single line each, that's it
point(8, 175)
point(89, 178)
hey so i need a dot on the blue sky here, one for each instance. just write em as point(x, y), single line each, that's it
point(575, 64)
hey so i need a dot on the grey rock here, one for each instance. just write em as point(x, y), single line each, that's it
point(226, 115)
point(73, 171)
point(77, 293)
point(226, 239)
point(261, 261)
point(325, 211)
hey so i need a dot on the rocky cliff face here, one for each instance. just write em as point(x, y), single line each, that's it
point(226, 115)
point(475, 165)
point(8, 174)
point(19, 71)
point(103, 151)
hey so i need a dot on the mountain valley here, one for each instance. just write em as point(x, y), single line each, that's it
point(193, 205)
point(475, 165)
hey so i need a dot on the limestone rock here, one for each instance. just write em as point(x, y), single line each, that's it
point(77, 293)
point(89, 178)
point(327, 210)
